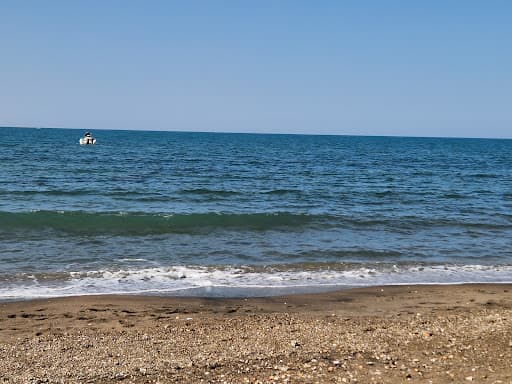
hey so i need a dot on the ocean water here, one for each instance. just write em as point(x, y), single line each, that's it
point(172, 213)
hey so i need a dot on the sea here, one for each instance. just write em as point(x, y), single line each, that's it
point(241, 215)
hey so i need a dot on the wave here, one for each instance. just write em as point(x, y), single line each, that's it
point(80, 222)
point(455, 196)
point(242, 281)
point(140, 223)
point(483, 175)
point(206, 191)
point(282, 192)
point(56, 192)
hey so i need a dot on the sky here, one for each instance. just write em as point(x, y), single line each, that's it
point(406, 68)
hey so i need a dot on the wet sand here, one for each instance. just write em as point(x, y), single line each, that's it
point(423, 334)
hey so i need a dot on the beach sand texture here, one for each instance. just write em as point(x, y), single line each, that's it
point(423, 334)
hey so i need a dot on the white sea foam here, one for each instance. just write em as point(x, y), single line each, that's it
point(209, 281)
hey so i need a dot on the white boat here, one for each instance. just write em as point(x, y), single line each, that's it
point(87, 139)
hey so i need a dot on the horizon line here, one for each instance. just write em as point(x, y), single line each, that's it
point(259, 133)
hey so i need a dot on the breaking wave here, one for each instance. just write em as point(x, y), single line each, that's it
point(242, 281)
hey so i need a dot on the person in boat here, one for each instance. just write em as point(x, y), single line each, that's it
point(88, 138)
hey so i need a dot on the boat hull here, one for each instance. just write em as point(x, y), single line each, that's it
point(84, 141)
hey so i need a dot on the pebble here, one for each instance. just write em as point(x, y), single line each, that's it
point(250, 348)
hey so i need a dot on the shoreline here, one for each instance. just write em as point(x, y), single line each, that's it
point(325, 295)
point(388, 334)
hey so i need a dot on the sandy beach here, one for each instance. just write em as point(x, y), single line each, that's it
point(424, 334)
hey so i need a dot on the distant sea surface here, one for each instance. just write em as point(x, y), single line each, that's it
point(207, 214)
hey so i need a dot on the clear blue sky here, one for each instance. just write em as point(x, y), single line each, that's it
point(415, 68)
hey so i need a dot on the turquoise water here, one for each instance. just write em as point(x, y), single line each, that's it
point(239, 214)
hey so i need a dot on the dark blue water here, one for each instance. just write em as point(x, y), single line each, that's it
point(241, 214)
